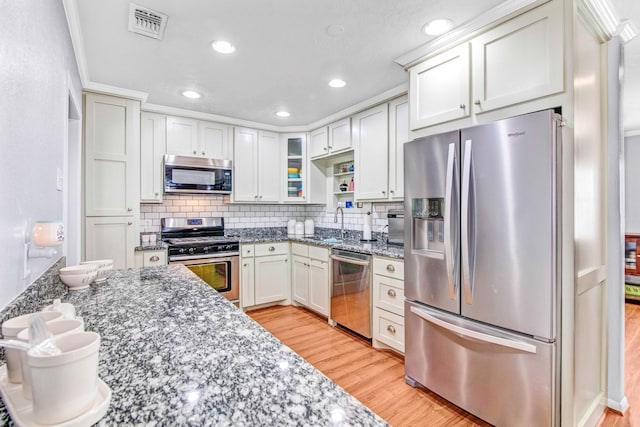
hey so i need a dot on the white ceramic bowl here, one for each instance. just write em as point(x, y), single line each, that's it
point(77, 270)
point(79, 281)
point(104, 267)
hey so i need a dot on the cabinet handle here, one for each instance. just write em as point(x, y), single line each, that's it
point(255, 197)
point(129, 209)
point(325, 148)
point(271, 249)
point(260, 197)
point(129, 223)
point(248, 251)
point(384, 192)
point(391, 293)
point(330, 147)
point(477, 102)
point(154, 258)
point(157, 194)
point(391, 268)
point(195, 152)
point(391, 329)
point(285, 260)
point(244, 265)
point(391, 191)
point(462, 106)
point(203, 153)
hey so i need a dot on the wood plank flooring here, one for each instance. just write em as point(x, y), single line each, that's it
point(374, 377)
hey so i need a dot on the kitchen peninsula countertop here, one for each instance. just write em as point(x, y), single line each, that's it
point(175, 352)
point(350, 243)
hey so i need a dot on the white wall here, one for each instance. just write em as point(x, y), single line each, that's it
point(36, 62)
point(632, 184)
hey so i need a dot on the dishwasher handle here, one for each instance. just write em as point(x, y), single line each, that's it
point(350, 260)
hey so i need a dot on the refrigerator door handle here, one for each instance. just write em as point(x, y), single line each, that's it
point(474, 335)
point(448, 210)
point(467, 262)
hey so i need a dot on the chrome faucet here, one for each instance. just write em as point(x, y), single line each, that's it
point(335, 219)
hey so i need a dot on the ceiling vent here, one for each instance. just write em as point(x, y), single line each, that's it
point(146, 21)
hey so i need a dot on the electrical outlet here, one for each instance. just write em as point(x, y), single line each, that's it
point(59, 179)
point(25, 255)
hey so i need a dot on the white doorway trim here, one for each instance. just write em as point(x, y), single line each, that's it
point(72, 186)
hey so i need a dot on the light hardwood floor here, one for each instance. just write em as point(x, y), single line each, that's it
point(376, 378)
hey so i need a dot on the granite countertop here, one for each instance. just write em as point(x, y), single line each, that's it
point(351, 242)
point(175, 352)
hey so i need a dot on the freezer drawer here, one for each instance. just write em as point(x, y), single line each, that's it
point(503, 378)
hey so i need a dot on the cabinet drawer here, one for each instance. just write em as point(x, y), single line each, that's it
point(389, 267)
point(389, 294)
point(153, 258)
point(321, 254)
point(388, 328)
point(299, 249)
point(247, 251)
point(274, 248)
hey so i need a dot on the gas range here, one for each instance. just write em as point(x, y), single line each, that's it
point(195, 238)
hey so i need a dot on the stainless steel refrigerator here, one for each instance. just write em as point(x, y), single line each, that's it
point(482, 268)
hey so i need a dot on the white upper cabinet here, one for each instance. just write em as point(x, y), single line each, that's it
point(152, 148)
point(519, 60)
point(257, 166)
point(189, 137)
point(398, 136)
point(182, 136)
point(371, 140)
point(439, 88)
point(214, 140)
point(112, 150)
point(332, 139)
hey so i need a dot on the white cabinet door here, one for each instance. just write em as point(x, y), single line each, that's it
point(319, 286)
point(269, 163)
point(247, 283)
point(111, 238)
point(318, 142)
point(153, 145)
point(214, 140)
point(519, 60)
point(300, 279)
point(398, 135)
point(112, 156)
point(371, 142)
point(182, 136)
point(340, 135)
point(439, 88)
point(245, 165)
point(271, 278)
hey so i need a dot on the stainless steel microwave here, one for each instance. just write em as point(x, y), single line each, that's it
point(198, 175)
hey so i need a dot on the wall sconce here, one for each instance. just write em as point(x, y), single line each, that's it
point(46, 235)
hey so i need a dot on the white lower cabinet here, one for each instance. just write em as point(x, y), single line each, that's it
point(388, 303)
point(150, 258)
point(264, 276)
point(310, 276)
point(111, 237)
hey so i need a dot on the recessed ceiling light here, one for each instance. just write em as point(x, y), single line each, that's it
point(191, 94)
point(437, 27)
point(337, 83)
point(223, 46)
point(283, 114)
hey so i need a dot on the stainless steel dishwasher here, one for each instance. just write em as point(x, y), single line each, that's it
point(350, 291)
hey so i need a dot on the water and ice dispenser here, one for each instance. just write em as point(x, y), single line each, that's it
point(428, 223)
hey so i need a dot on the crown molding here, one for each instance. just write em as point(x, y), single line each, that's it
point(631, 132)
point(604, 21)
point(117, 91)
point(481, 23)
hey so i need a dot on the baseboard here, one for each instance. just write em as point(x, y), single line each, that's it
point(620, 406)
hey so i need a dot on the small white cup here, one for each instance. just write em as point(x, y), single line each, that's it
point(152, 239)
point(10, 330)
point(145, 239)
point(65, 385)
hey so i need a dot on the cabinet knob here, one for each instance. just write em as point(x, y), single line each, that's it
point(203, 153)
point(391, 293)
point(157, 194)
point(260, 197)
point(129, 223)
point(255, 197)
point(244, 265)
point(391, 329)
point(154, 258)
point(391, 268)
point(129, 209)
point(325, 148)
point(462, 106)
point(195, 152)
point(271, 249)
point(391, 191)
point(330, 147)
point(285, 260)
point(477, 102)
point(248, 251)
point(384, 192)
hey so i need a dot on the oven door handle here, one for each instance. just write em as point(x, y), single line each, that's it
point(198, 258)
point(349, 260)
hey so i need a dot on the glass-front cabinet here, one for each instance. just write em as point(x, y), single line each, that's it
point(296, 165)
point(631, 267)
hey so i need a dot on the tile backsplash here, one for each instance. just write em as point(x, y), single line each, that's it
point(254, 216)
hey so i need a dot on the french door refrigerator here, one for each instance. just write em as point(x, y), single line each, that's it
point(482, 258)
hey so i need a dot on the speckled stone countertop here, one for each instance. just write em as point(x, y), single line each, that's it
point(351, 242)
point(175, 352)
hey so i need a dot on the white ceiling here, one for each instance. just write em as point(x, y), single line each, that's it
point(284, 56)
